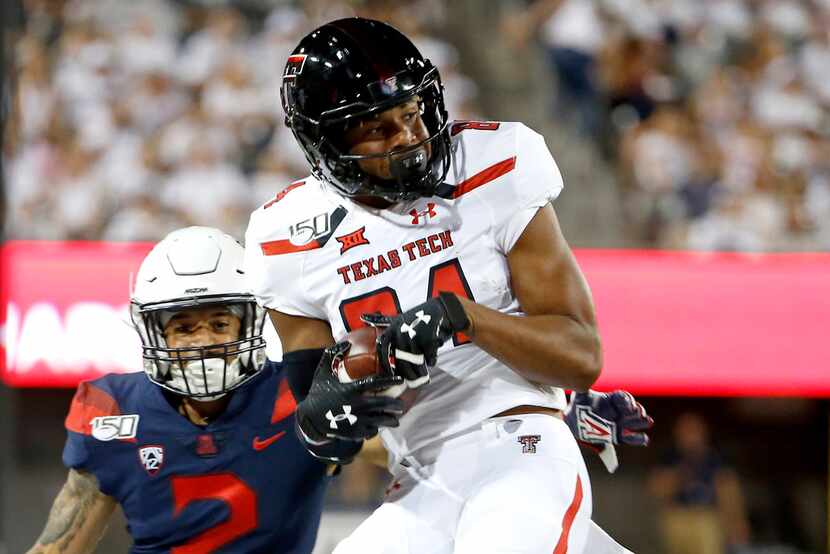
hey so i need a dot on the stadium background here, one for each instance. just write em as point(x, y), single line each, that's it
point(678, 125)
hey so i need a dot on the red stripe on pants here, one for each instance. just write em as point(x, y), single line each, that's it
point(567, 521)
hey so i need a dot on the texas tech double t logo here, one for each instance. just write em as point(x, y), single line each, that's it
point(528, 443)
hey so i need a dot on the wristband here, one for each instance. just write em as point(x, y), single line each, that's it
point(455, 311)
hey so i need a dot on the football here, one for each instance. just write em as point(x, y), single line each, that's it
point(362, 360)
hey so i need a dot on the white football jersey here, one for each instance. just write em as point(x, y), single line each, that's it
point(311, 252)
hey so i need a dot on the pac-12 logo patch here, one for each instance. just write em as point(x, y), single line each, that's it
point(151, 457)
point(107, 428)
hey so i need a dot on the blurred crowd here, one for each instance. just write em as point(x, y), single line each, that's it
point(132, 119)
point(715, 113)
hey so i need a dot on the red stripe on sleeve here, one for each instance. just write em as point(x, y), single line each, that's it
point(280, 195)
point(484, 176)
point(567, 521)
point(284, 246)
point(89, 402)
point(285, 404)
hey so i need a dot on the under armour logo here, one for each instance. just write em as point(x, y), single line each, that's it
point(429, 212)
point(346, 415)
point(419, 317)
point(528, 443)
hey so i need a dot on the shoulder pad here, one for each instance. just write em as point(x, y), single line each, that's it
point(95, 411)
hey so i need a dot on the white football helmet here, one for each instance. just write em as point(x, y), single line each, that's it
point(197, 267)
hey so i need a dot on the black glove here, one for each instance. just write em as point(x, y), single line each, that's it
point(335, 410)
point(409, 345)
point(334, 451)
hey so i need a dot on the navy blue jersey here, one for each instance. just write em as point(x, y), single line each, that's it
point(242, 484)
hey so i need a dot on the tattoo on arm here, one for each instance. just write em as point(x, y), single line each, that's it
point(78, 517)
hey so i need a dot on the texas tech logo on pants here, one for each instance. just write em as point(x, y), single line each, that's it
point(528, 443)
point(151, 457)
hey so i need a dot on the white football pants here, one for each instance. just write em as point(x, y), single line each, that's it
point(514, 484)
point(599, 542)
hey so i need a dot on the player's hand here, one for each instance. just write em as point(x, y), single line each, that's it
point(335, 410)
point(333, 451)
point(601, 420)
point(409, 345)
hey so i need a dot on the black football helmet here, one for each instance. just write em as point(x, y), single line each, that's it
point(351, 68)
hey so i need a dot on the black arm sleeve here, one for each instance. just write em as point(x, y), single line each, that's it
point(299, 367)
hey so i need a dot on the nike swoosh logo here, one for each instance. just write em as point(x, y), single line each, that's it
point(263, 444)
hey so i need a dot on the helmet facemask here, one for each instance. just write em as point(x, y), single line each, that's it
point(414, 174)
point(203, 372)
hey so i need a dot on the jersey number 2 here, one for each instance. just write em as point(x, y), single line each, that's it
point(444, 277)
point(228, 488)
